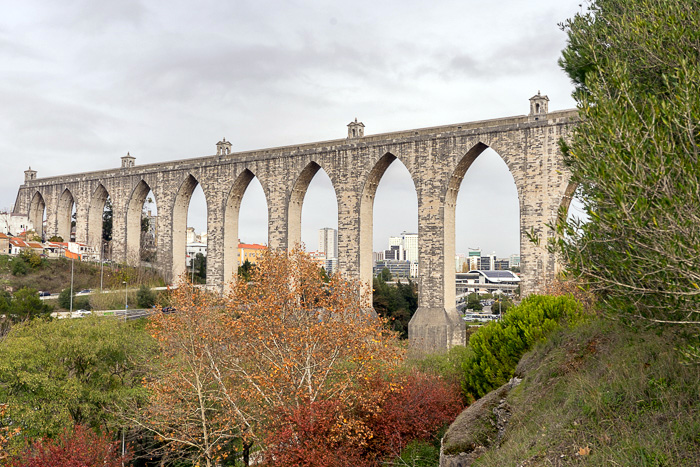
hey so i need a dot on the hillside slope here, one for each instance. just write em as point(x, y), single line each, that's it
point(599, 394)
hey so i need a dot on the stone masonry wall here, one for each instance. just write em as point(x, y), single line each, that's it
point(436, 158)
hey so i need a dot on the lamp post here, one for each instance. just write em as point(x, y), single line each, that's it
point(126, 301)
point(72, 266)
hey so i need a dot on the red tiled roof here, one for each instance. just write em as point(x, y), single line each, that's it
point(2, 235)
point(251, 246)
point(18, 242)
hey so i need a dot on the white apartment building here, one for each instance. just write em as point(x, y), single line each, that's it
point(328, 242)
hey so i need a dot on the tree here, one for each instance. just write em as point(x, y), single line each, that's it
point(56, 374)
point(56, 238)
point(385, 275)
point(473, 302)
point(295, 339)
point(107, 216)
point(27, 304)
point(64, 298)
point(245, 270)
point(634, 157)
point(79, 447)
point(228, 369)
point(193, 410)
point(145, 298)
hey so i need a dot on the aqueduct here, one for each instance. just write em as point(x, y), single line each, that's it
point(437, 159)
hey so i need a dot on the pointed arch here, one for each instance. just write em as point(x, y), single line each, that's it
point(452, 190)
point(37, 206)
point(64, 212)
point(369, 190)
point(179, 224)
point(134, 208)
point(95, 216)
point(296, 201)
point(231, 214)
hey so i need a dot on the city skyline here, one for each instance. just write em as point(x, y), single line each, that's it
point(85, 83)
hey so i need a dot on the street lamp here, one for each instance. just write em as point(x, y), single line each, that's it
point(126, 301)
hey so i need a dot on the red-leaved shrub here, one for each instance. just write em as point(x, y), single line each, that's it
point(80, 447)
point(392, 413)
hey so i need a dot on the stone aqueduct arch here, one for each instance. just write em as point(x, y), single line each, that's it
point(437, 159)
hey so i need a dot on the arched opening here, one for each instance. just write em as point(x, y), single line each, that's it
point(191, 202)
point(138, 245)
point(313, 216)
point(389, 215)
point(64, 215)
point(245, 223)
point(482, 222)
point(99, 220)
point(37, 214)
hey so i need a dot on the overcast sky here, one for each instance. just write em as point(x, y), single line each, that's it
point(83, 82)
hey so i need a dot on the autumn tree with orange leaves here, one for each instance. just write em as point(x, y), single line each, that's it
point(229, 369)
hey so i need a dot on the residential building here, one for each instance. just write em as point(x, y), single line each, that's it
point(501, 264)
point(191, 251)
point(328, 242)
point(249, 252)
point(4, 244)
point(14, 224)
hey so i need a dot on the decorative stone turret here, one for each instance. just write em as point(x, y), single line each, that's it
point(223, 148)
point(128, 161)
point(538, 106)
point(29, 174)
point(356, 129)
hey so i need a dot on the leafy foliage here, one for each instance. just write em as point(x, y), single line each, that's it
point(55, 374)
point(473, 302)
point(79, 447)
point(245, 270)
point(27, 304)
point(107, 216)
point(395, 302)
point(285, 338)
point(634, 156)
point(495, 349)
point(395, 410)
point(64, 298)
point(145, 298)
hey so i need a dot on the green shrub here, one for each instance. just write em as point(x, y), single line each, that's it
point(64, 298)
point(495, 349)
point(145, 297)
point(19, 267)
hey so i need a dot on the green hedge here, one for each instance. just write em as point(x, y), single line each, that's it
point(494, 350)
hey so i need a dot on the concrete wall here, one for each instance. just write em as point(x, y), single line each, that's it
point(437, 159)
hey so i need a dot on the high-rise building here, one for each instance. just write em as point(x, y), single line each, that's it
point(514, 261)
point(405, 248)
point(487, 262)
point(328, 242)
point(474, 256)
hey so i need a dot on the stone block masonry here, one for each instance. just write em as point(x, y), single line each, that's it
point(437, 159)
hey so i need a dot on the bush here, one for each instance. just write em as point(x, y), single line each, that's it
point(19, 267)
point(64, 298)
point(145, 297)
point(495, 349)
point(396, 411)
point(79, 447)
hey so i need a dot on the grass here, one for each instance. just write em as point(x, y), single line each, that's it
point(604, 394)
